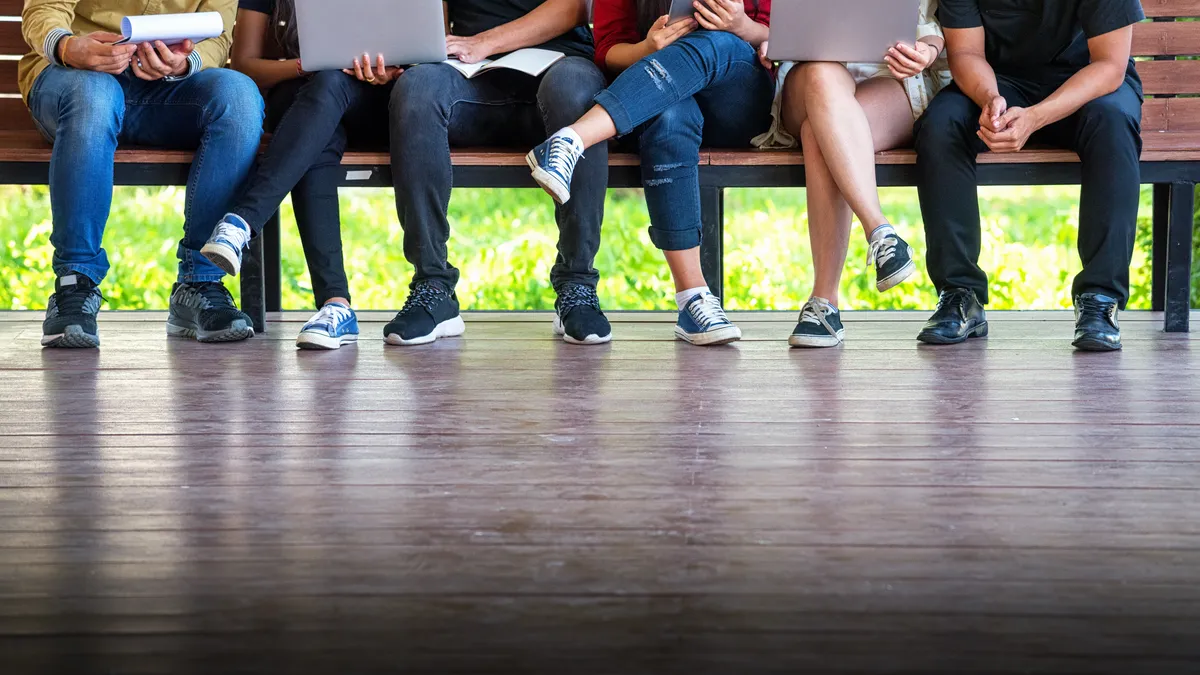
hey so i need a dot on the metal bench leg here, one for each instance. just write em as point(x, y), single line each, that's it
point(712, 248)
point(272, 265)
point(1178, 278)
point(1158, 258)
point(253, 291)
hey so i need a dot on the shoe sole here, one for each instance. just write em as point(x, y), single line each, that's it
point(72, 337)
point(316, 341)
point(721, 336)
point(1093, 345)
point(897, 278)
point(219, 255)
point(547, 182)
point(932, 339)
point(815, 342)
point(561, 331)
point(449, 328)
point(239, 330)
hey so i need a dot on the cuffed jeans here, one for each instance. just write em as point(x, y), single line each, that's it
point(434, 108)
point(708, 89)
point(216, 112)
point(1107, 135)
point(311, 121)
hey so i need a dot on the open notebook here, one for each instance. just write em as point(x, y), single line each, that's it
point(529, 61)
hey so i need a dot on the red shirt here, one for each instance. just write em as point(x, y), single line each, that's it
point(615, 22)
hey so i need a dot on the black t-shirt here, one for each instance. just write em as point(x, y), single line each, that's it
point(471, 17)
point(264, 6)
point(1040, 39)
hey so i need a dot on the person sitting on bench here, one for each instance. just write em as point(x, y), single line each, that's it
point(86, 94)
point(1053, 72)
point(434, 107)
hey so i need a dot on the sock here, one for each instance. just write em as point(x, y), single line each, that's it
point(569, 134)
point(827, 304)
point(882, 231)
point(682, 298)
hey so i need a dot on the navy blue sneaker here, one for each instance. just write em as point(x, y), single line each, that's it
point(335, 325)
point(578, 318)
point(205, 311)
point(71, 314)
point(892, 258)
point(820, 325)
point(428, 314)
point(702, 322)
point(553, 165)
point(225, 246)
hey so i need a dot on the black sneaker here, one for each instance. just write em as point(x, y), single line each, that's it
point(205, 311)
point(428, 314)
point(893, 261)
point(959, 316)
point(578, 317)
point(71, 314)
point(1096, 325)
point(820, 325)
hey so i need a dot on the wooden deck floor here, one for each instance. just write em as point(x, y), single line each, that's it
point(508, 503)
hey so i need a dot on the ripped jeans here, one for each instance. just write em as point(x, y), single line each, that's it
point(708, 89)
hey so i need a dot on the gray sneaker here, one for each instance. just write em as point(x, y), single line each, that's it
point(205, 311)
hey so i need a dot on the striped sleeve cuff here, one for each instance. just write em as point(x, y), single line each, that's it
point(195, 65)
point(50, 45)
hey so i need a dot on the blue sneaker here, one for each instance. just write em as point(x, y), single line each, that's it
point(553, 165)
point(225, 246)
point(335, 325)
point(703, 322)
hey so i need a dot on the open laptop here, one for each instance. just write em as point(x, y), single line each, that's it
point(851, 31)
point(333, 33)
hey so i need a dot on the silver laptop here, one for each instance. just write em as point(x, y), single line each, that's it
point(853, 31)
point(334, 32)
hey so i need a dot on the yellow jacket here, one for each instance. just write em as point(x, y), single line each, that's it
point(45, 22)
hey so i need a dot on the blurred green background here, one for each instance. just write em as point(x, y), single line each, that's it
point(504, 243)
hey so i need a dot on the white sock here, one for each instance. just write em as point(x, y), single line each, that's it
point(882, 231)
point(682, 298)
point(569, 134)
point(826, 304)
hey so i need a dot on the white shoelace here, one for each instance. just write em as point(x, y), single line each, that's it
point(882, 250)
point(707, 312)
point(815, 312)
point(235, 234)
point(563, 156)
point(330, 315)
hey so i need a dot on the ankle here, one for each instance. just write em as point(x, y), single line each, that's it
point(683, 297)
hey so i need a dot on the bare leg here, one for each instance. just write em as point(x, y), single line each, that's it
point(829, 220)
point(685, 269)
point(596, 126)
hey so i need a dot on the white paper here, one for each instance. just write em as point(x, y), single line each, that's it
point(529, 61)
point(172, 29)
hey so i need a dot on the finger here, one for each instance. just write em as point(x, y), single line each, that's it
point(703, 12)
point(381, 70)
point(661, 23)
point(680, 29)
point(141, 73)
point(358, 70)
point(105, 36)
point(168, 57)
point(904, 61)
point(911, 52)
point(897, 67)
point(151, 62)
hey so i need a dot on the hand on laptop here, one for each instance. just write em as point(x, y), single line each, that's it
point(663, 34)
point(379, 74)
point(905, 61)
point(762, 57)
point(468, 49)
point(153, 62)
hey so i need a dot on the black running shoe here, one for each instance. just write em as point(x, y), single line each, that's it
point(820, 326)
point(205, 311)
point(893, 261)
point(578, 317)
point(71, 314)
point(428, 314)
point(1096, 325)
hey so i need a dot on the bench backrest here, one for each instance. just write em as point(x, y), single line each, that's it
point(1172, 84)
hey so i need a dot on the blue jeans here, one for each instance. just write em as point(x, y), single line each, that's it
point(216, 112)
point(707, 88)
point(434, 107)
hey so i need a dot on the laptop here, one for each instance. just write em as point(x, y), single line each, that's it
point(334, 33)
point(850, 31)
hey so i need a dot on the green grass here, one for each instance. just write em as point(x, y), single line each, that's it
point(504, 243)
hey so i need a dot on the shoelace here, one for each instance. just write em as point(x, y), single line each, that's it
point(72, 301)
point(882, 250)
point(815, 312)
point(562, 156)
point(1091, 308)
point(425, 296)
point(955, 299)
point(577, 295)
point(236, 235)
point(707, 312)
point(331, 315)
point(215, 293)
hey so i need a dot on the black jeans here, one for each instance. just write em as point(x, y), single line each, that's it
point(1107, 135)
point(434, 108)
point(312, 120)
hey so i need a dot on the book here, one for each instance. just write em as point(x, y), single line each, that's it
point(171, 29)
point(529, 61)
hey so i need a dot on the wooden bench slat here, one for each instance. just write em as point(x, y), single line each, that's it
point(11, 7)
point(1166, 38)
point(8, 77)
point(1170, 77)
point(11, 41)
point(1171, 8)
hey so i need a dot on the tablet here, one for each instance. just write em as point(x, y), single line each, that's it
point(332, 34)
point(849, 31)
point(680, 10)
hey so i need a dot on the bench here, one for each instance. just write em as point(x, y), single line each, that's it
point(1170, 162)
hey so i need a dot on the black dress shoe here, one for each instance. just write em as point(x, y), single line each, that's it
point(959, 316)
point(1096, 327)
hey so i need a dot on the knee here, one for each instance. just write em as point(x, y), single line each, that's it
point(683, 119)
point(570, 86)
point(421, 94)
point(945, 126)
point(234, 102)
point(329, 83)
point(92, 103)
point(1106, 122)
point(818, 80)
point(718, 42)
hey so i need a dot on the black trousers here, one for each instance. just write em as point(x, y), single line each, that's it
point(1107, 135)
